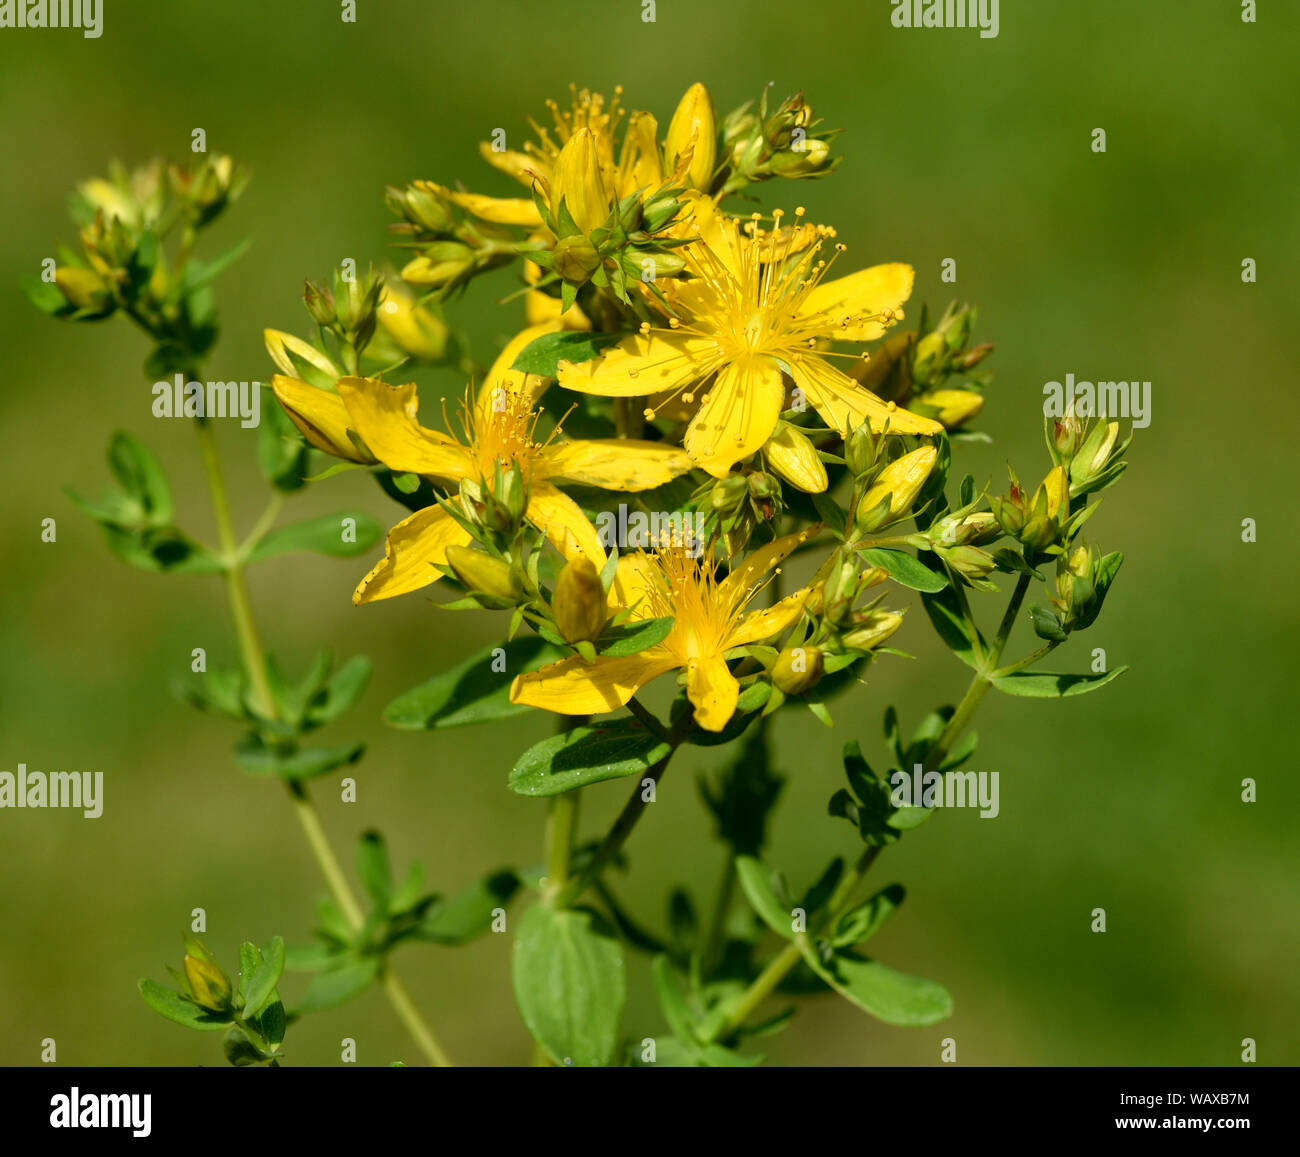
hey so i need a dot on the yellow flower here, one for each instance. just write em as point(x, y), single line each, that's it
point(709, 620)
point(499, 429)
point(636, 164)
point(756, 302)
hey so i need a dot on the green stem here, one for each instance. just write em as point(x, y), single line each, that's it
point(560, 826)
point(721, 910)
point(771, 976)
point(254, 658)
point(627, 819)
point(1028, 661)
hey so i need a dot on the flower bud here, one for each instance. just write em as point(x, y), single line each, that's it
point(209, 985)
point(968, 561)
point(791, 453)
point(975, 529)
point(578, 183)
point(83, 288)
point(579, 601)
point(1095, 452)
point(860, 450)
point(693, 130)
point(576, 258)
point(797, 669)
point(440, 265)
point(1067, 435)
point(728, 493)
point(811, 159)
point(481, 574)
point(872, 629)
point(954, 406)
point(416, 330)
point(895, 489)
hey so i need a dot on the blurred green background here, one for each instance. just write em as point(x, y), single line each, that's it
point(1122, 265)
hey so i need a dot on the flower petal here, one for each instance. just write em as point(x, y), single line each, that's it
point(528, 387)
point(500, 210)
point(641, 365)
point(713, 689)
point(638, 584)
point(757, 626)
point(737, 415)
point(852, 306)
point(575, 687)
point(845, 405)
point(561, 519)
point(615, 463)
point(415, 547)
point(739, 585)
point(320, 415)
point(385, 418)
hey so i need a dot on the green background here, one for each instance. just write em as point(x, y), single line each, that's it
point(1123, 265)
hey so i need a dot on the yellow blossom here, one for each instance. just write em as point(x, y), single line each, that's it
point(709, 619)
point(756, 302)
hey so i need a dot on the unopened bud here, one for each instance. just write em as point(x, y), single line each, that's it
point(481, 574)
point(895, 489)
point(954, 406)
point(693, 130)
point(209, 985)
point(793, 456)
point(579, 601)
point(576, 258)
point(872, 629)
point(797, 669)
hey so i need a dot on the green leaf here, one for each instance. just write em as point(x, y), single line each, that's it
point(333, 988)
point(475, 691)
point(139, 474)
point(864, 921)
point(944, 611)
point(672, 998)
point(45, 295)
point(1106, 572)
point(543, 355)
point(634, 637)
point(756, 879)
point(372, 868)
point(903, 568)
point(891, 996)
point(170, 1004)
point(240, 1050)
point(341, 691)
point(570, 983)
point(323, 535)
point(261, 986)
point(273, 1021)
point(468, 915)
point(255, 757)
point(586, 755)
point(200, 273)
point(1041, 685)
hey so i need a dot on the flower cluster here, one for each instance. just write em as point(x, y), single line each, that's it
point(723, 360)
